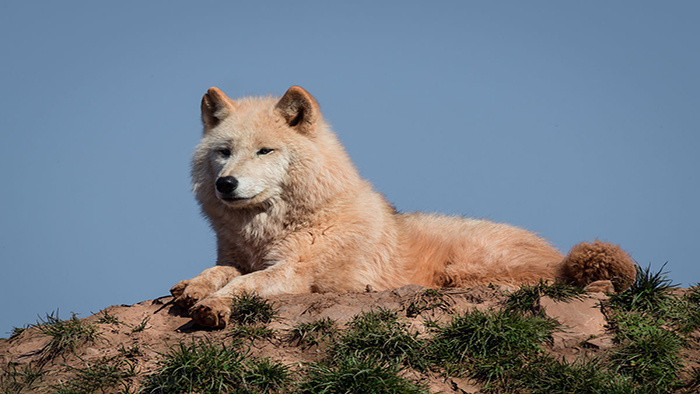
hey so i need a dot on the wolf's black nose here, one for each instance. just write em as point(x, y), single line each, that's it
point(226, 184)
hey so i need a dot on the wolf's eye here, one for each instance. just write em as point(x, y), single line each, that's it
point(224, 152)
point(265, 151)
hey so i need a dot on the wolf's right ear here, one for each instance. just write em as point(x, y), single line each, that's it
point(215, 108)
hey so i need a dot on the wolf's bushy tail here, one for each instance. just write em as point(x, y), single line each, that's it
point(591, 261)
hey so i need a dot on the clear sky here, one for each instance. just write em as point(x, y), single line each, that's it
point(575, 120)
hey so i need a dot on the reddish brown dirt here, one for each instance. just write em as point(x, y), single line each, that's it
point(584, 333)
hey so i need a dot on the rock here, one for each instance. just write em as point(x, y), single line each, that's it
point(580, 319)
point(92, 352)
point(417, 327)
point(602, 342)
point(408, 290)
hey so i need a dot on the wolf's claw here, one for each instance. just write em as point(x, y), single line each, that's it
point(211, 312)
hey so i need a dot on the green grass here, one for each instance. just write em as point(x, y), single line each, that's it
point(493, 334)
point(648, 353)
point(503, 351)
point(527, 298)
point(644, 318)
point(646, 357)
point(66, 335)
point(141, 326)
point(248, 308)
point(649, 322)
point(252, 332)
point(686, 311)
point(212, 368)
point(266, 375)
point(693, 294)
point(106, 318)
point(16, 331)
point(103, 375)
point(380, 335)
point(207, 367)
point(490, 345)
point(545, 374)
point(249, 315)
point(367, 357)
point(16, 378)
point(650, 291)
point(313, 333)
point(357, 373)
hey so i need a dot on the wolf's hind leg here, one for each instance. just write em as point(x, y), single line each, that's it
point(189, 292)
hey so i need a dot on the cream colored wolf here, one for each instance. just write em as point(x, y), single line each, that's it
point(292, 215)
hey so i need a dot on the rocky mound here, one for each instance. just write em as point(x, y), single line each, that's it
point(127, 348)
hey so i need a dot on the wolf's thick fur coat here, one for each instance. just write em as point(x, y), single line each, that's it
point(297, 217)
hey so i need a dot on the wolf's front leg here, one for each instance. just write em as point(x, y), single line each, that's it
point(188, 292)
point(214, 311)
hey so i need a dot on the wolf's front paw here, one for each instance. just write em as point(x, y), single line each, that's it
point(179, 288)
point(211, 312)
point(193, 293)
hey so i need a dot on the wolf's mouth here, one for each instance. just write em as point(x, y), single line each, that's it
point(234, 199)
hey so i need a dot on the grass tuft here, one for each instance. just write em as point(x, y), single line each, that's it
point(527, 298)
point(106, 318)
point(249, 308)
point(357, 373)
point(650, 291)
point(212, 368)
point(311, 334)
point(16, 331)
point(199, 366)
point(141, 326)
point(66, 335)
point(266, 375)
point(693, 294)
point(490, 345)
point(252, 332)
point(688, 311)
point(105, 374)
point(545, 374)
point(493, 334)
point(380, 335)
point(648, 353)
point(16, 378)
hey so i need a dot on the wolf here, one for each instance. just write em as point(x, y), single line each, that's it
point(292, 215)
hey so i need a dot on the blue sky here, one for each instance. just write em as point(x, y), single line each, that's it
point(576, 120)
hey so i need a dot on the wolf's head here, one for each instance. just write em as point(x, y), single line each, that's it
point(258, 150)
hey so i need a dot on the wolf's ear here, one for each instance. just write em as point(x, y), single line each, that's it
point(299, 109)
point(215, 108)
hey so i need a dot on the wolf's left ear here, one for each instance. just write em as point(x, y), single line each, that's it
point(216, 106)
point(299, 109)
